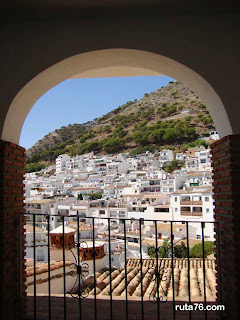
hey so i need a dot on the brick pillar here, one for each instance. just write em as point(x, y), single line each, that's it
point(226, 176)
point(12, 162)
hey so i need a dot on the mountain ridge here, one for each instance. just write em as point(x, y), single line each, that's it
point(172, 115)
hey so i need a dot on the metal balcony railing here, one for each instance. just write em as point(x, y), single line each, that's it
point(103, 279)
point(191, 213)
point(189, 202)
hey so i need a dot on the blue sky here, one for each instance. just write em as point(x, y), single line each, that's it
point(81, 100)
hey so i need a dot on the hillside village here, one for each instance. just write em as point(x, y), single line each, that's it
point(123, 187)
point(121, 205)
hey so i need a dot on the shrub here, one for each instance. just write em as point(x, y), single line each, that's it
point(94, 196)
point(140, 138)
point(180, 251)
point(206, 120)
point(197, 250)
point(139, 150)
point(169, 135)
point(188, 118)
point(107, 129)
point(163, 252)
point(34, 167)
point(171, 110)
point(174, 165)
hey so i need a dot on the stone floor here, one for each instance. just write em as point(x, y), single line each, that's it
point(103, 309)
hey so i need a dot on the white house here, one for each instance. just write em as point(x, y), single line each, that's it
point(195, 205)
point(40, 243)
point(61, 162)
point(166, 155)
point(181, 156)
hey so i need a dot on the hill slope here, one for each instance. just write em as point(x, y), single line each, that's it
point(172, 115)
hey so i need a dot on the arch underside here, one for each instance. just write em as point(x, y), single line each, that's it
point(111, 63)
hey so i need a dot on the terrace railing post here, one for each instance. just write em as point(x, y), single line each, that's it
point(78, 262)
point(64, 271)
point(94, 270)
point(125, 264)
point(110, 267)
point(157, 272)
point(204, 271)
point(141, 265)
point(172, 263)
point(188, 264)
point(49, 270)
point(34, 268)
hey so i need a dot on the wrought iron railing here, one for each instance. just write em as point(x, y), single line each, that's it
point(150, 270)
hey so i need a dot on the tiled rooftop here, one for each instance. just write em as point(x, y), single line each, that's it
point(165, 288)
point(29, 229)
point(43, 267)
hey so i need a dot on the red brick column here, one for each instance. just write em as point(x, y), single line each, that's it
point(226, 175)
point(12, 162)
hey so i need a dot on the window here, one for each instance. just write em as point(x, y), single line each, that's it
point(40, 256)
point(207, 210)
point(176, 209)
point(206, 198)
point(198, 236)
point(175, 199)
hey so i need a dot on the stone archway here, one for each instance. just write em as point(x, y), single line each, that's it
point(106, 63)
point(113, 62)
